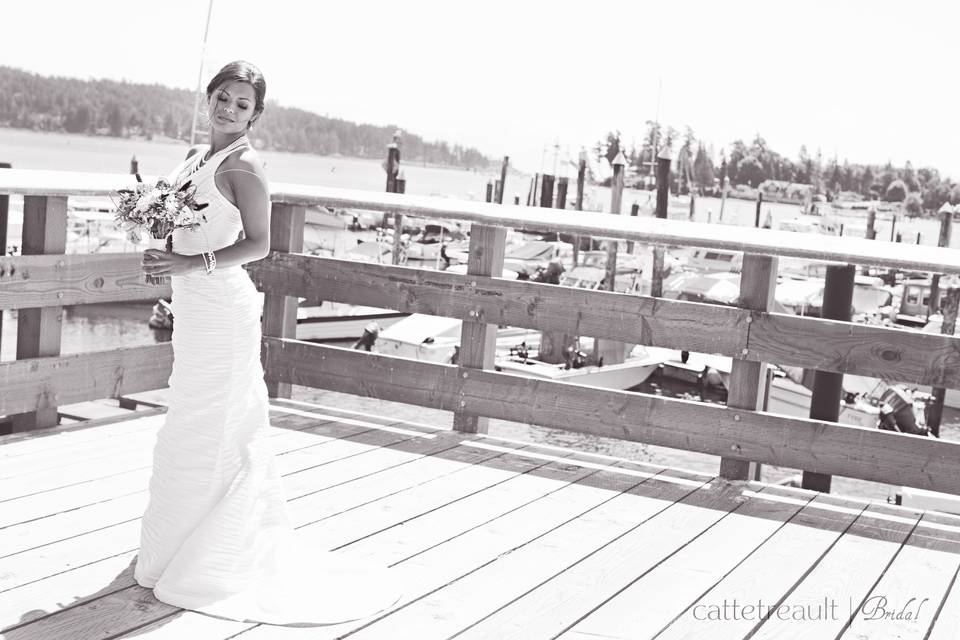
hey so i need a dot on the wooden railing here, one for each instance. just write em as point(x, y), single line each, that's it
point(39, 285)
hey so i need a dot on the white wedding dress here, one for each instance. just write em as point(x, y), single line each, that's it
point(216, 536)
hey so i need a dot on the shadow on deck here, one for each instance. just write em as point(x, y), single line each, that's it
point(493, 538)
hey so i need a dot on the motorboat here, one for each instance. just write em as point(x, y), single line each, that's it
point(437, 339)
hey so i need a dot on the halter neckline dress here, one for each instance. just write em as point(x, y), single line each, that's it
point(216, 536)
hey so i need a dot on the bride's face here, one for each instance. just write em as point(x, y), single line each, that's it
point(231, 107)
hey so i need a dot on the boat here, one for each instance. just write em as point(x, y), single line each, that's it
point(914, 308)
point(437, 339)
point(425, 245)
point(530, 255)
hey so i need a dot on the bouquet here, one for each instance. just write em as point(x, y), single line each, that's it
point(156, 210)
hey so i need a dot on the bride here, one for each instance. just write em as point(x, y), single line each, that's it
point(216, 536)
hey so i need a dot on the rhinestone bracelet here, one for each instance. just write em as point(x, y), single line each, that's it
point(211, 261)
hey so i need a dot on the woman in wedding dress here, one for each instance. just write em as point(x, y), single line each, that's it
point(216, 536)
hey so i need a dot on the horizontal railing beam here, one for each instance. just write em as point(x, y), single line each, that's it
point(675, 324)
point(892, 354)
point(823, 447)
point(59, 280)
point(766, 242)
point(37, 383)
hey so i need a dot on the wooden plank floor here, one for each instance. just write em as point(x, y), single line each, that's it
point(492, 538)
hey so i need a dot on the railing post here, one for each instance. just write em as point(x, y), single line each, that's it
point(478, 340)
point(827, 385)
point(748, 380)
point(38, 329)
point(280, 312)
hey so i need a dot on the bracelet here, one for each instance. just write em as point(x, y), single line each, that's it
point(206, 263)
point(211, 261)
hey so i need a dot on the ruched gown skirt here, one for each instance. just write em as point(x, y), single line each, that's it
point(216, 535)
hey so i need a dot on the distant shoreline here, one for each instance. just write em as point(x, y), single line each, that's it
point(161, 139)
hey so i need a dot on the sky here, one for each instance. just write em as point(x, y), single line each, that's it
point(868, 81)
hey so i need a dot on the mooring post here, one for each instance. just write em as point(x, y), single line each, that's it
point(756, 221)
point(871, 223)
point(634, 212)
point(503, 179)
point(546, 191)
point(581, 177)
point(951, 300)
point(828, 385)
point(561, 200)
point(663, 199)
point(946, 224)
point(489, 196)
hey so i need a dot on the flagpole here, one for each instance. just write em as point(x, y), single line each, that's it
point(196, 101)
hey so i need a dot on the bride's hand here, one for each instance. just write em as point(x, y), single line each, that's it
point(161, 263)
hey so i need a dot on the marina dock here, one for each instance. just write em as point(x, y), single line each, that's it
point(495, 537)
point(492, 538)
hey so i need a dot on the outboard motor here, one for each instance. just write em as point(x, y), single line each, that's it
point(897, 414)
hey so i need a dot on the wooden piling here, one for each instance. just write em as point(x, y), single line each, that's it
point(39, 329)
point(949, 309)
point(756, 221)
point(546, 191)
point(693, 205)
point(134, 165)
point(634, 212)
point(827, 385)
point(478, 339)
point(561, 201)
point(946, 223)
point(497, 191)
point(871, 223)
point(393, 165)
point(663, 197)
point(612, 351)
point(489, 196)
point(503, 179)
point(893, 226)
point(581, 177)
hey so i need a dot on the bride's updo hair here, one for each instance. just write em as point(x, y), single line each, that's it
point(242, 71)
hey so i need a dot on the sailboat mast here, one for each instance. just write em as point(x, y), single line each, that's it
point(196, 101)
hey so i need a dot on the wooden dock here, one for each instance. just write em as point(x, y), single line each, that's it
point(492, 538)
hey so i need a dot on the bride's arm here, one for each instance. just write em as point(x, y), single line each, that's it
point(244, 183)
point(246, 186)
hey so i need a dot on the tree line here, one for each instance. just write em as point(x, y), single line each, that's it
point(921, 190)
point(124, 109)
